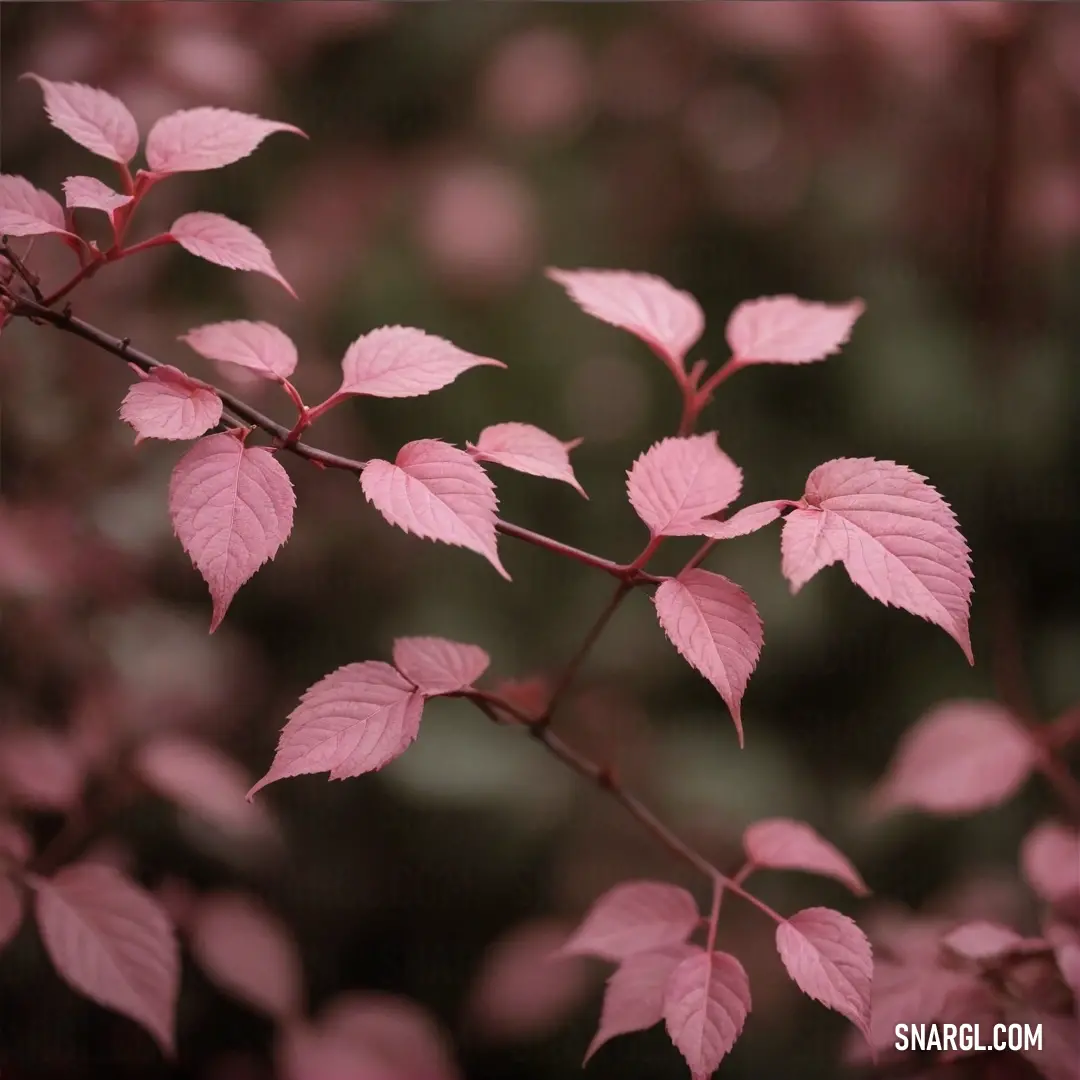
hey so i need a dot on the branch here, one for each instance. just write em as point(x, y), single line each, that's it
point(573, 665)
point(121, 347)
point(33, 282)
point(605, 779)
point(629, 576)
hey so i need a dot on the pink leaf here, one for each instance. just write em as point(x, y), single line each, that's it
point(11, 910)
point(903, 994)
point(232, 508)
point(527, 449)
point(206, 138)
point(91, 194)
point(634, 917)
point(394, 1029)
point(200, 779)
point(256, 346)
point(39, 769)
point(680, 480)
point(27, 211)
point(306, 1051)
point(524, 988)
point(829, 958)
point(784, 844)
point(669, 320)
point(112, 941)
point(981, 940)
point(352, 721)
point(221, 240)
point(169, 405)
point(705, 1006)
point(94, 119)
point(747, 520)
point(1050, 858)
point(634, 998)
point(1056, 1055)
point(960, 757)
point(249, 952)
point(437, 666)
point(1067, 954)
point(717, 630)
point(400, 361)
point(15, 844)
point(368, 1036)
point(437, 492)
point(787, 330)
point(896, 536)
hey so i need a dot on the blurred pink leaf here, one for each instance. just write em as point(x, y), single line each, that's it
point(249, 952)
point(523, 988)
point(981, 940)
point(111, 941)
point(705, 1006)
point(438, 666)
point(93, 118)
point(787, 330)
point(679, 481)
point(1057, 1056)
point(1067, 954)
point(669, 320)
point(401, 361)
point(15, 844)
point(829, 959)
point(634, 917)
point(393, 1029)
point(221, 240)
point(437, 492)
point(784, 844)
point(206, 138)
point(1050, 859)
point(960, 757)
point(202, 780)
point(717, 630)
point(352, 721)
point(39, 769)
point(527, 449)
point(747, 520)
point(11, 909)
point(367, 1036)
point(634, 998)
point(232, 508)
point(167, 404)
point(896, 536)
point(26, 210)
point(91, 194)
point(256, 346)
point(909, 994)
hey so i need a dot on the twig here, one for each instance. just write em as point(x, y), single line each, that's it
point(33, 282)
point(605, 779)
point(122, 348)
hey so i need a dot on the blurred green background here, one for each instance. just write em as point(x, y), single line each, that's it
point(922, 156)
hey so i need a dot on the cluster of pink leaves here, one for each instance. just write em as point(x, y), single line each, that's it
point(191, 140)
point(962, 757)
point(232, 507)
point(703, 995)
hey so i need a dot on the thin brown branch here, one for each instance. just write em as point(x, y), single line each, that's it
point(605, 779)
point(31, 280)
point(123, 349)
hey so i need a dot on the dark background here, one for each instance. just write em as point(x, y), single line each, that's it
point(922, 156)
